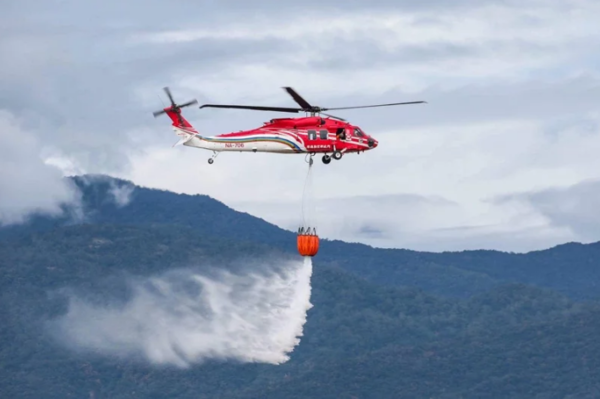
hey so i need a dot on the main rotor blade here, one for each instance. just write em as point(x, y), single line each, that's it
point(256, 108)
point(302, 102)
point(192, 102)
point(372, 106)
point(168, 91)
point(157, 113)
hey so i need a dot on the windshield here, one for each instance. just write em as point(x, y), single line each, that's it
point(358, 132)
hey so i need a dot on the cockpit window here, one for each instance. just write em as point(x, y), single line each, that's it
point(358, 132)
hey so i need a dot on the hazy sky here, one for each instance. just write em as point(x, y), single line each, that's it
point(505, 155)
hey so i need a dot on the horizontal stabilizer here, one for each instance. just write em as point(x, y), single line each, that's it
point(184, 140)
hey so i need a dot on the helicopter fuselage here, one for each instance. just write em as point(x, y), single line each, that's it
point(288, 136)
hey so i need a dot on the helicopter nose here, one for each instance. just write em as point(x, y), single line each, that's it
point(372, 143)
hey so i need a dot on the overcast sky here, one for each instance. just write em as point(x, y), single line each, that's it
point(505, 155)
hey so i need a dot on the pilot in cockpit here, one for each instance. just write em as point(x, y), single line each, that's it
point(358, 133)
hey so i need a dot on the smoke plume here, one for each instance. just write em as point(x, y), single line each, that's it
point(185, 317)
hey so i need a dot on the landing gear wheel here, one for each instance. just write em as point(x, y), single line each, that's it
point(337, 155)
point(212, 159)
point(326, 159)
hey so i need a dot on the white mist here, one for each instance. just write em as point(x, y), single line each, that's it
point(245, 317)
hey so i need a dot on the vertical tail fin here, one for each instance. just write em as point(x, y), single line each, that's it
point(179, 121)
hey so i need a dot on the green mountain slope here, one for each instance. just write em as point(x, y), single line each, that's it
point(573, 269)
point(362, 339)
point(546, 360)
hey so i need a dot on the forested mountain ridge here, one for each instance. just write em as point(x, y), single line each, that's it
point(361, 339)
point(573, 269)
point(384, 323)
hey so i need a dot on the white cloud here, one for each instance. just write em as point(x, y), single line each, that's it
point(512, 88)
point(370, 53)
point(394, 29)
point(121, 193)
point(468, 167)
point(27, 184)
point(570, 208)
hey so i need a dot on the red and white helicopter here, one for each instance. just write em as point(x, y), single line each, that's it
point(302, 135)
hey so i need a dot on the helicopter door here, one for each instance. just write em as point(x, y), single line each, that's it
point(341, 134)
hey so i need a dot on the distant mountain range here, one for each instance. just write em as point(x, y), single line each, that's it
point(572, 268)
point(386, 323)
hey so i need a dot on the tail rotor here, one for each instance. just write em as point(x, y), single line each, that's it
point(176, 108)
